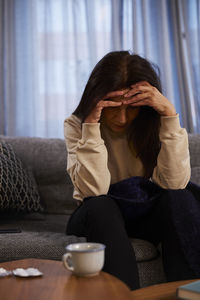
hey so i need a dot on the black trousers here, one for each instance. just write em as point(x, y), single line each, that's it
point(99, 219)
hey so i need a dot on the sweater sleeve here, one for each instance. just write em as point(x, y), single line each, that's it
point(173, 163)
point(87, 158)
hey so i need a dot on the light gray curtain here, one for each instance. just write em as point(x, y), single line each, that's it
point(2, 108)
point(7, 68)
point(49, 47)
point(149, 33)
point(186, 16)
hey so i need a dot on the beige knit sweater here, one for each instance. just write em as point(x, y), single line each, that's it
point(97, 158)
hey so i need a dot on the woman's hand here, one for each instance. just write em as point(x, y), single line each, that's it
point(95, 114)
point(144, 94)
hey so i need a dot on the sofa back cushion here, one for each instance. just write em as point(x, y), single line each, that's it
point(47, 159)
point(194, 146)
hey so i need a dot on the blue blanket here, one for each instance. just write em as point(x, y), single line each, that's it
point(137, 195)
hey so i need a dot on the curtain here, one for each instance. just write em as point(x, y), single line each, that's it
point(186, 22)
point(7, 68)
point(49, 47)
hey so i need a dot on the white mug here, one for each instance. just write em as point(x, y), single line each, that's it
point(84, 259)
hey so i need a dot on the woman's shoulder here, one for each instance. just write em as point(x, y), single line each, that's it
point(72, 127)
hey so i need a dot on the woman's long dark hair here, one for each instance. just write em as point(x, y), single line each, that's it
point(118, 70)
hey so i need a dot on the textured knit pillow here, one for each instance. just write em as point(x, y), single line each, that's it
point(18, 191)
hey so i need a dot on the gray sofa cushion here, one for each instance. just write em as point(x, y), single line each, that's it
point(144, 250)
point(151, 272)
point(41, 233)
point(194, 146)
point(37, 222)
point(195, 175)
point(43, 245)
point(51, 245)
point(47, 159)
point(42, 236)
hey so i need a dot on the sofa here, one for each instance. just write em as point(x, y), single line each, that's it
point(42, 234)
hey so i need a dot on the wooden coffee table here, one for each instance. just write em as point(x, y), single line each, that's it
point(163, 291)
point(58, 283)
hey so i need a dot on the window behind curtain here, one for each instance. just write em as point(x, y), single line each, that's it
point(58, 42)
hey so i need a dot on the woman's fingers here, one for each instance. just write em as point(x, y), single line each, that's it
point(138, 89)
point(153, 98)
point(138, 98)
point(103, 103)
point(116, 93)
point(95, 114)
point(144, 102)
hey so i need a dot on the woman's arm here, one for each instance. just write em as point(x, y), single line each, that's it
point(87, 158)
point(173, 163)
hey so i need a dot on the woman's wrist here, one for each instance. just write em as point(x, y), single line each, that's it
point(88, 120)
point(169, 114)
point(169, 111)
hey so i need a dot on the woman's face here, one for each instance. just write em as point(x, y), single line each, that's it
point(119, 118)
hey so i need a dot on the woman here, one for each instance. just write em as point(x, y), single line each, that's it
point(123, 128)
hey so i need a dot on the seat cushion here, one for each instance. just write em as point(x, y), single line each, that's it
point(41, 236)
point(27, 244)
point(41, 233)
point(144, 250)
point(151, 272)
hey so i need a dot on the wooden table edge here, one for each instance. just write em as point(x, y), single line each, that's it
point(161, 291)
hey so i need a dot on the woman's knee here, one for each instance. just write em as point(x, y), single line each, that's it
point(93, 210)
point(98, 202)
point(101, 206)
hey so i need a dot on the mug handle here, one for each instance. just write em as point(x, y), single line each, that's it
point(65, 261)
